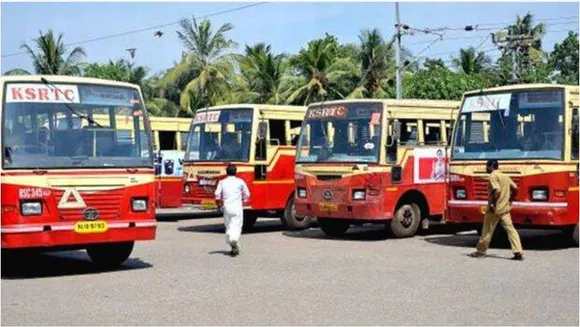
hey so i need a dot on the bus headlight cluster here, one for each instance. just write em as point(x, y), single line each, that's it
point(540, 195)
point(187, 188)
point(460, 193)
point(358, 195)
point(32, 208)
point(139, 205)
point(302, 193)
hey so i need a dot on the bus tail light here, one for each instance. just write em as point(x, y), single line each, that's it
point(31, 208)
point(460, 194)
point(540, 195)
point(139, 205)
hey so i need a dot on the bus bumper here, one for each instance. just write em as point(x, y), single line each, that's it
point(363, 211)
point(522, 213)
point(63, 234)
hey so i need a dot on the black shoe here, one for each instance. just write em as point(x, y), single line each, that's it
point(518, 257)
point(477, 254)
point(235, 248)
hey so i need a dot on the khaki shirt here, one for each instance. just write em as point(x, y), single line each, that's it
point(502, 184)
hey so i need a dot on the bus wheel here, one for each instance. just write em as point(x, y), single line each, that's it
point(575, 234)
point(406, 221)
point(110, 255)
point(250, 218)
point(291, 220)
point(333, 227)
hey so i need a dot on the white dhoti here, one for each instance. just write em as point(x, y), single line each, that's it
point(234, 220)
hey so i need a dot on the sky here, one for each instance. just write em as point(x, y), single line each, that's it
point(286, 26)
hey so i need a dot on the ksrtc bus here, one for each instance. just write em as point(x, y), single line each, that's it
point(373, 161)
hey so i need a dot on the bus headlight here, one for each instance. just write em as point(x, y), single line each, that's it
point(540, 195)
point(187, 188)
point(139, 205)
point(32, 208)
point(358, 195)
point(460, 193)
point(302, 193)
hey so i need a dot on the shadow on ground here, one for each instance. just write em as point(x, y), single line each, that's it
point(538, 240)
point(261, 226)
point(174, 217)
point(368, 232)
point(41, 265)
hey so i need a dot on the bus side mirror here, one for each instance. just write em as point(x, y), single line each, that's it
point(262, 130)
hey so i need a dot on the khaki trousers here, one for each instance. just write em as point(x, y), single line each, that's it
point(489, 224)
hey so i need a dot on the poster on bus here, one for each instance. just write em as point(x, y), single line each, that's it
point(430, 165)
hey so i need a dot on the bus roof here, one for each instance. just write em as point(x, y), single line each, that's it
point(393, 103)
point(522, 87)
point(63, 79)
point(268, 107)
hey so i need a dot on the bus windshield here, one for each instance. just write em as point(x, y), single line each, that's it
point(73, 126)
point(347, 132)
point(222, 135)
point(516, 125)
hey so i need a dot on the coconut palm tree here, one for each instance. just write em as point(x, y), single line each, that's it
point(50, 56)
point(319, 74)
point(208, 63)
point(471, 62)
point(262, 74)
point(376, 57)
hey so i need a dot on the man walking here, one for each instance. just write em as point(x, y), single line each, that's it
point(231, 193)
point(502, 191)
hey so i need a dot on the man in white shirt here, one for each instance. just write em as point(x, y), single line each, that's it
point(231, 193)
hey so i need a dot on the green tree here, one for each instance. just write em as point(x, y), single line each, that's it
point(207, 61)
point(120, 70)
point(564, 60)
point(262, 74)
point(49, 56)
point(319, 73)
point(440, 83)
point(377, 65)
point(471, 62)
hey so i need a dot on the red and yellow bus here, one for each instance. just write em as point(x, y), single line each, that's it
point(77, 166)
point(373, 161)
point(532, 130)
point(261, 141)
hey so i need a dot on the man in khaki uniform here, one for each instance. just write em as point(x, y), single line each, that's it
point(502, 190)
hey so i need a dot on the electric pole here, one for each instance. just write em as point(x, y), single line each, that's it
point(398, 51)
point(513, 44)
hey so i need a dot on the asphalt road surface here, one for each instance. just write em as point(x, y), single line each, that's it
point(185, 277)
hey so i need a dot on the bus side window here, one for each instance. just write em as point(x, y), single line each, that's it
point(295, 131)
point(277, 132)
point(575, 136)
point(261, 148)
point(409, 133)
point(432, 132)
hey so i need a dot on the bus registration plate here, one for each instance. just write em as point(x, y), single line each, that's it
point(208, 205)
point(87, 227)
point(328, 206)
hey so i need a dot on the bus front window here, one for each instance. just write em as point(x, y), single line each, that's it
point(524, 124)
point(221, 136)
point(349, 132)
point(99, 126)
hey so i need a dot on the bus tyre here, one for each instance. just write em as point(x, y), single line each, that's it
point(406, 221)
point(110, 255)
point(291, 220)
point(333, 227)
point(250, 218)
point(575, 234)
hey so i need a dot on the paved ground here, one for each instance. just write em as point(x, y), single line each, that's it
point(284, 278)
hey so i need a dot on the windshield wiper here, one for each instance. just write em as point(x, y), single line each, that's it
point(498, 109)
point(81, 116)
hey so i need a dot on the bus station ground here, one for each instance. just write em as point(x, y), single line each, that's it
point(186, 277)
